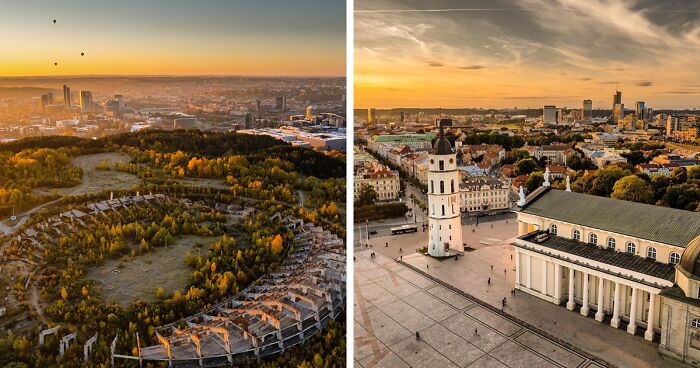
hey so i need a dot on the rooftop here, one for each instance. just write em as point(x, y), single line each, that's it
point(610, 257)
point(660, 224)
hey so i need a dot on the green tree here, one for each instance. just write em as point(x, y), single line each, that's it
point(633, 188)
point(534, 181)
point(367, 196)
point(525, 166)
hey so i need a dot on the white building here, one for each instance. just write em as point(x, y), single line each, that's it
point(484, 194)
point(443, 198)
point(633, 263)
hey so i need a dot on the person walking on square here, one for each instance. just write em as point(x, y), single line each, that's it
point(489, 281)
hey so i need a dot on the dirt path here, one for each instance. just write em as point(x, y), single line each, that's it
point(35, 302)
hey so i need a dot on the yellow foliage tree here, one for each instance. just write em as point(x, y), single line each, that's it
point(277, 244)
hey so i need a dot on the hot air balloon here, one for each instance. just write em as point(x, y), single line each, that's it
point(82, 54)
point(54, 21)
point(55, 64)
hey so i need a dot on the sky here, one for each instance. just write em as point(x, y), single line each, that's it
point(173, 37)
point(526, 53)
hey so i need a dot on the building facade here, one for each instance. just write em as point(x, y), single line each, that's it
point(628, 263)
point(443, 199)
point(484, 194)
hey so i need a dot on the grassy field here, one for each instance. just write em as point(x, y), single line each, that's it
point(125, 281)
point(95, 180)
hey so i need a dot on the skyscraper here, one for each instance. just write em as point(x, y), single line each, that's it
point(281, 103)
point(66, 96)
point(618, 112)
point(372, 116)
point(86, 104)
point(587, 110)
point(639, 110)
point(549, 114)
point(617, 98)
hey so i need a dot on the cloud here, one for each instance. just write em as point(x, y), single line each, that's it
point(472, 67)
point(644, 83)
point(436, 64)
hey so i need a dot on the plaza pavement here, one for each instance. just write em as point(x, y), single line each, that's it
point(393, 300)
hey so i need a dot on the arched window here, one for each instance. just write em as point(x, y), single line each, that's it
point(442, 186)
point(593, 239)
point(452, 186)
point(443, 210)
point(695, 323)
point(576, 235)
point(631, 248)
point(651, 252)
point(611, 243)
point(432, 187)
point(553, 229)
point(674, 258)
point(442, 165)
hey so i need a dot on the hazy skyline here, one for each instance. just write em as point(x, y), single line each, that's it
point(526, 53)
point(173, 37)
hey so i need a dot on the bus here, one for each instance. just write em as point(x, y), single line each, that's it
point(403, 229)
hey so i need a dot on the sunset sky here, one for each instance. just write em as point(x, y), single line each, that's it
point(162, 37)
point(526, 53)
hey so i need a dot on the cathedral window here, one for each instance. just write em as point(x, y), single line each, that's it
point(576, 235)
point(651, 252)
point(611, 243)
point(553, 229)
point(442, 187)
point(593, 239)
point(631, 248)
point(674, 258)
point(695, 323)
point(442, 165)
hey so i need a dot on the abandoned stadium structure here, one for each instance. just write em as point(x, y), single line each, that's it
point(280, 310)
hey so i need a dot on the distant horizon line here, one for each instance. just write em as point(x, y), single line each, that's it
point(167, 75)
point(507, 108)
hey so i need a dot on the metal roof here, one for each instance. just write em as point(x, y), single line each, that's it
point(660, 224)
point(611, 257)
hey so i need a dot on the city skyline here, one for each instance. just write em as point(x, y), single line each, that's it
point(527, 54)
point(174, 38)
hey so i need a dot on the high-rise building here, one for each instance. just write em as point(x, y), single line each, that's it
point(549, 115)
point(639, 110)
point(45, 101)
point(281, 103)
point(372, 116)
point(257, 107)
point(445, 226)
point(86, 104)
point(617, 98)
point(618, 112)
point(587, 110)
point(66, 96)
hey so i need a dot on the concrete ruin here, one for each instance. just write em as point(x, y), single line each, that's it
point(280, 310)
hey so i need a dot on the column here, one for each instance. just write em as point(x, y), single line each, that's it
point(522, 228)
point(557, 283)
point(616, 307)
point(571, 304)
point(517, 266)
point(544, 276)
point(632, 327)
point(528, 275)
point(599, 315)
point(649, 334)
point(584, 307)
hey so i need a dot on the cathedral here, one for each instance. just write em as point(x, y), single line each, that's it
point(630, 265)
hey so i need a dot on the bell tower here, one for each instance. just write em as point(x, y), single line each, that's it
point(445, 227)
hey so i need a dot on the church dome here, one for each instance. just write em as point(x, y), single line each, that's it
point(690, 260)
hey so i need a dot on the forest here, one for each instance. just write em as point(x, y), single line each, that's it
point(259, 171)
